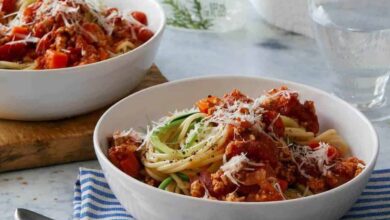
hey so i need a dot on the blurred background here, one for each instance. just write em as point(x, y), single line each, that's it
point(266, 38)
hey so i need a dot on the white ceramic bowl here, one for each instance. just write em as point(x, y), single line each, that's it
point(60, 93)
point(292, 15)
point(146, 202)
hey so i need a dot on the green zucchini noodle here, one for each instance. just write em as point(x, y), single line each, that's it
point(184, 142)
point(124, 46)
point(16, 65)
point(238, 149)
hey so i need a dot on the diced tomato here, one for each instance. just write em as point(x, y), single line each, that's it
point(55, 59)
point(333, 153)
point(130, 165)
point(283, 184)
point(204, 105)
point(125, 159)
point(140, 16)
point(8, 6)
point(314, 144)
point(19, 32)
point(11, 52)
point(144, 34)
point(28, 12)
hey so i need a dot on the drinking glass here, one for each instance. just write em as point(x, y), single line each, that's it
point(354, 37)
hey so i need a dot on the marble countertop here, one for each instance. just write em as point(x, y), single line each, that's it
point(257, 49)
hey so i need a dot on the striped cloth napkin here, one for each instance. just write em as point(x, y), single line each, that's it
point(93, 198)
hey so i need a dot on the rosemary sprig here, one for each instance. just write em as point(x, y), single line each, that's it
point(182, 16)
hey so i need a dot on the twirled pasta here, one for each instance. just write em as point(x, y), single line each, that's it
point(238, 149)
point(297, 133)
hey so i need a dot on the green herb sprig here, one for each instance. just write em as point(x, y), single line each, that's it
point(182, 16)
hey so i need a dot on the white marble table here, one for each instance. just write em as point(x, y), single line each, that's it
point(255, 50)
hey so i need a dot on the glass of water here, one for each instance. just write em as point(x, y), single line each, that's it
point(354, 37)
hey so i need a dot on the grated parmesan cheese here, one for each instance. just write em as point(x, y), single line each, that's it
point(234, 114)
point(305, 155)
point(277, 187)
point(234, 165)
point(27, 39)
point(131, 133)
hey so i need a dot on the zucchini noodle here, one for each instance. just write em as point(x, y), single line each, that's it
point(169, 149)
point(185, 143)
point(16, 65)
point(238, 149)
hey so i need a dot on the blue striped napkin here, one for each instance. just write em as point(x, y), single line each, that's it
point(93, 198)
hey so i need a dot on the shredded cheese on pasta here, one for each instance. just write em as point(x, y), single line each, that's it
point(305, 155)
point(234, 165)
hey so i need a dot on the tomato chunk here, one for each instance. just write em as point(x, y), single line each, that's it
point(11, 52)
point(314, 144)
point(283, 184)
point(19, 32)
point(140, 16)
point(55, 59)
point(144, 34)
point(333, 153)
point(8, 6)
point(207, 105)
point(125, 159)
point(130, 165)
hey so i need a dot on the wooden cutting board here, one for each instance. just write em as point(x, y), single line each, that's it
point(36, 144)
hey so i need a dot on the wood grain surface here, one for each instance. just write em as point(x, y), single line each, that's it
point(35, 144)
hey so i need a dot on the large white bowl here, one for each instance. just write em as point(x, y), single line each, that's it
point(60, 93)
point(146, 202)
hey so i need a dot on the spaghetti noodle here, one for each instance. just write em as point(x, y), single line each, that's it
point(237, 148)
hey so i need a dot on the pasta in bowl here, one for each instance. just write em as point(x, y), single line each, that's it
point(257, 153)
point(49, 34)
point(237, 148)
point(88, 80)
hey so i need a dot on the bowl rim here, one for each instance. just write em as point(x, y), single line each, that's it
point(158, 32)
point(367, 171)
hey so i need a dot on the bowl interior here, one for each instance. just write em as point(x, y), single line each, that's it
point(138, 110)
